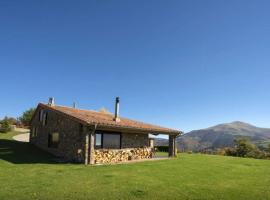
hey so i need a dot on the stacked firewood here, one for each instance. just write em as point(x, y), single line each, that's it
point(121, 155)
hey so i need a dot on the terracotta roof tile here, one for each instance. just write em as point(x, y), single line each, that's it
point(106, 120)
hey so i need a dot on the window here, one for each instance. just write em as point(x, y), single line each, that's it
point(53, 140)
point(44, 118)
point(34, 132)
point(98, 140)
point(80, 128)
point(40, 115)
point(111, 141)
point(108, 140)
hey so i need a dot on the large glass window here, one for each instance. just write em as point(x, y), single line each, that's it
point(111, 141)
point(108, 140)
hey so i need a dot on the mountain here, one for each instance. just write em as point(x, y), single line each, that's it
point(222, 135)
point(219, 136)
point(161, 142)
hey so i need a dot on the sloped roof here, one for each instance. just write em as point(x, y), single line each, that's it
point(107, 120)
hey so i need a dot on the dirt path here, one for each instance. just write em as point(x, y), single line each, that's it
point(24, 137)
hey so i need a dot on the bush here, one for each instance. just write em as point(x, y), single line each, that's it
point(162, 148)
point(12, 120)
point(244, 148)
point(5, 125)
point(221, 152)
point(268, 148)
point(230, 151)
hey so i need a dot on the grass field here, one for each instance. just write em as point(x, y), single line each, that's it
point(28, 173)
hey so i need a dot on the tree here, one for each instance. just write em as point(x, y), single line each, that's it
point(229, 151)
point(5, 125)
point(12, 120)
point(268, 148)
point(244, 148)
point(27, 116)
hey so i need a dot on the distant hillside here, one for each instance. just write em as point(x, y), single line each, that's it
point(219, 136)
point(222, 135)
point(160, 142)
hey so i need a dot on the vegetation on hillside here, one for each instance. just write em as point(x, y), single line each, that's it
point(221, 136)
point(28, 173)
point(244, 148)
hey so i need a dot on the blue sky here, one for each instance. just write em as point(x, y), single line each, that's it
point(182, 64)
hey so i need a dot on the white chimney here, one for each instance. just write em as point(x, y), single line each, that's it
point(51, 101)
point(74, 105)
point(116, 114)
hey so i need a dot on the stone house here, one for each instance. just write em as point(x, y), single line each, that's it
point(93, 137)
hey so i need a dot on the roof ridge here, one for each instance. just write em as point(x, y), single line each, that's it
point(77, 109)
point(92, 116)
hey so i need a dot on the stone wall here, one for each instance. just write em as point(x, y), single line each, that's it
point(71, 136)
point(103, 156)
point(132, 140)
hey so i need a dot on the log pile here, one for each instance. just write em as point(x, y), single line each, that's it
point(121, 155)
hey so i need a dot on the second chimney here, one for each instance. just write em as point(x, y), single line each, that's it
point(74, 105)
point(51, 101)
point(116, 114)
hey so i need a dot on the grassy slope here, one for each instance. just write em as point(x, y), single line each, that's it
point(26, 173)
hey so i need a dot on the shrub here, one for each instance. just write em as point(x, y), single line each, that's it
point(221, 152)
point(268, 148)
point(230, 151)
point(244, 148)
point(162, 148)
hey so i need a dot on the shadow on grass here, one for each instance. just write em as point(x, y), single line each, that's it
point(23, 153)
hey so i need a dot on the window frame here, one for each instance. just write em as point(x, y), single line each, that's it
point(41, 115)
point(44, 118)
point(33, 133)
point(51, 143)
point(36, 131)
point(102, 139)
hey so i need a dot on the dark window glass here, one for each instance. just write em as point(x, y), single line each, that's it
point(108, 140)
point(111, 141)
point(80, 128)
point(44, 118)
point(40, 115)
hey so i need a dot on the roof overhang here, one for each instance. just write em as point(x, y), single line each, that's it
point(107, 127)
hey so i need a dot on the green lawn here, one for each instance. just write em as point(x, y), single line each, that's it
point(28, 173)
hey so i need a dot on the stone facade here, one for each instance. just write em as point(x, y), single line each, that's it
point(131, 140)
point(72, 137)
